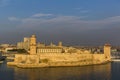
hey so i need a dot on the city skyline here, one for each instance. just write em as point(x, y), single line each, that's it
point(72, 22)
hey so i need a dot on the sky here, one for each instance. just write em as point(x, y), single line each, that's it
point(74, 22)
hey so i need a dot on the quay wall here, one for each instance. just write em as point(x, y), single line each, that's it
point(56, 59)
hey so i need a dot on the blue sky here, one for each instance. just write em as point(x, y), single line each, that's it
point(75, 22)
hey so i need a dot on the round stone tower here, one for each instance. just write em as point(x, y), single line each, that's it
point(33, 45)
point(107, 51)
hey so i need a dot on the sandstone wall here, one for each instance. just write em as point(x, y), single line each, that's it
point(55, 59)
point(98, 58)
point(26, 59)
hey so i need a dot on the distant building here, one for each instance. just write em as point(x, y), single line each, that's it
point(25, 44)
point(5, 45)
point(40, 45)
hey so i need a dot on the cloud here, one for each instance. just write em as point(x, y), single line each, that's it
point(13, 19)
point(112, 19)
point(57, 21)
point(70, 22)
point(78, 8)
point(70, 29)
point(84, 11)
point(4, 3)
point(81, 10)
point(41, 15)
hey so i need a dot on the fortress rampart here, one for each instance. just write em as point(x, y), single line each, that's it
point(33, 59)
point(50, 60)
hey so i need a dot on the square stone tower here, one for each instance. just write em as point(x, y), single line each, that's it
point(33, 45)
point(107, 51)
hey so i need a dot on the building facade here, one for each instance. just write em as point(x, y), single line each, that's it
point(25, 44)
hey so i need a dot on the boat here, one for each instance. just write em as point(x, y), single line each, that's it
point(2, 58)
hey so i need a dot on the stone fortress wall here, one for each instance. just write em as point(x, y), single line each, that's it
point(59, 59)
point(56, 59)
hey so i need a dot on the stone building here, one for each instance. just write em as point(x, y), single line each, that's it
point(25, 44)
point(47, 56)
point(33, 45)
point(52, 48)
point(41, 50)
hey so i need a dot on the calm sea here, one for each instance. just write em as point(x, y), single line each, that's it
point(110, 71)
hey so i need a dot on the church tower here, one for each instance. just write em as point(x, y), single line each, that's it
point(107, 51)
point(33, 45)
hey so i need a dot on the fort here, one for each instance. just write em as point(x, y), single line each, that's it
point(53, 56)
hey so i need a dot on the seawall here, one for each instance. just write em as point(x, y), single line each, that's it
point(55, 59)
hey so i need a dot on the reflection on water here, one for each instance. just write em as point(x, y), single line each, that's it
point(6, 73)
point(97, 72)
point(115, 70)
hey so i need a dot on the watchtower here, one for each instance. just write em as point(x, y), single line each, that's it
point(107, 51)
point(33, 45)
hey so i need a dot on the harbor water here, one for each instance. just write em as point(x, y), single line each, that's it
point(109, 71)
